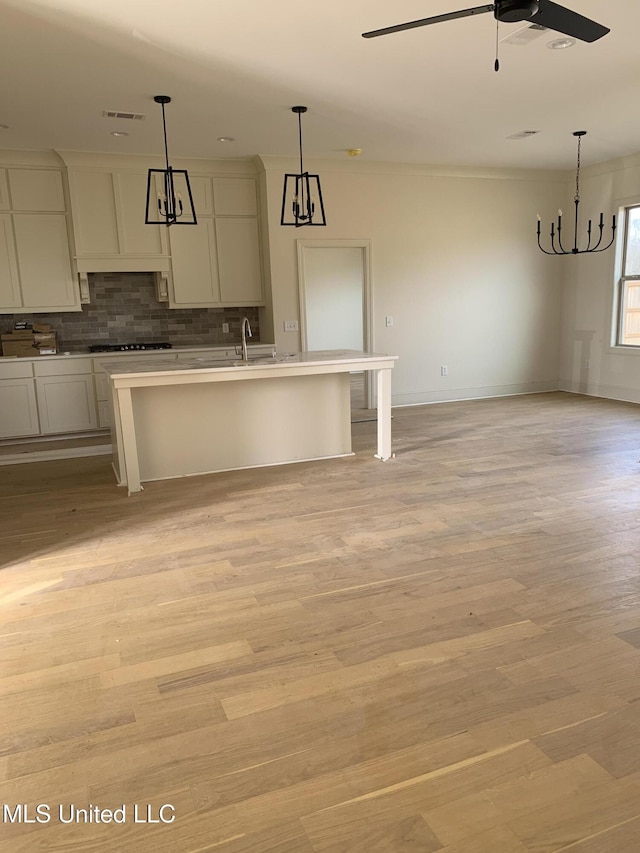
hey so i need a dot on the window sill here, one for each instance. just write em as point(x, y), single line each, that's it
point(620, 349)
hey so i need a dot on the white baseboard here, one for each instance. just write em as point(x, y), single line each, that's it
point(62, 453)
point(608, 392)
point(421, 398)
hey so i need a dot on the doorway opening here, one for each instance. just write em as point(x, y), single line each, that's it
point(334, 279)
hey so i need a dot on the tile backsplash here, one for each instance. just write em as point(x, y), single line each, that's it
point(124, 309)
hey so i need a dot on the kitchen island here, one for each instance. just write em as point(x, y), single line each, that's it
point(201, 415)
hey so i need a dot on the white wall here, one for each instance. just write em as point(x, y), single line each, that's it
point(590, 362)
point(454, 261)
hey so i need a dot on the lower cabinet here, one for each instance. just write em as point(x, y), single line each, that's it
point(18, 409)
point(66, 396)
point(49, 396)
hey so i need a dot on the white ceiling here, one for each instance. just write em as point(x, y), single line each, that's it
point(235, 68)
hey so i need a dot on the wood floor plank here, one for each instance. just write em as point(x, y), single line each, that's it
point(440, 653)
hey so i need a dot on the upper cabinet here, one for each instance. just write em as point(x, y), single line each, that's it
point(36, 190)
point(218, 262)
point(108, 219)
point(36, 268)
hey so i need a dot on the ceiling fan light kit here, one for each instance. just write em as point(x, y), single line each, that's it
point(542, 13)
point(302, 195)
point(169, 206)
point(556, 227)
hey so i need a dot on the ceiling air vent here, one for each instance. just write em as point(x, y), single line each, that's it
point(523, 134)
point(121, 114)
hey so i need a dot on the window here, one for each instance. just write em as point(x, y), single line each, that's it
point(629, 300)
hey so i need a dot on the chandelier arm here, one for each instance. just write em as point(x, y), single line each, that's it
point(595, 248)
point(553, 241)
point(610, 243)
point(589, 249)
point(543, 249)
point(562, 251)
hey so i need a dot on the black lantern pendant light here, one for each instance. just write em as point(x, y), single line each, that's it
point(302, 196)
point(169, 199)
point(559, 249)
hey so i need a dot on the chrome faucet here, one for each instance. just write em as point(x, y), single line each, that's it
point(245, 331)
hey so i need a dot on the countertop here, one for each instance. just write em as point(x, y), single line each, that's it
point(136, 353)
point(166, 366)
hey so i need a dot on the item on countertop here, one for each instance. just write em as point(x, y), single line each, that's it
point(26, 343)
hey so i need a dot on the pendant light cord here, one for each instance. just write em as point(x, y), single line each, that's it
point(496, 66)
point(300, 138)
point(164, 128)
point(577, 196)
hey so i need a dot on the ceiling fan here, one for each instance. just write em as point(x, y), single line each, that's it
point(541, 12)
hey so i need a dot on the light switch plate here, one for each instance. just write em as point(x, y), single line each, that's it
point(290, 325)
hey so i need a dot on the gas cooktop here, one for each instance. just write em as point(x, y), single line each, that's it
point(127, 347)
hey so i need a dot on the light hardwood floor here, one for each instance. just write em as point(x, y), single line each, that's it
point(441, 652)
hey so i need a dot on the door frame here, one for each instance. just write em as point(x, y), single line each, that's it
point(367, 296)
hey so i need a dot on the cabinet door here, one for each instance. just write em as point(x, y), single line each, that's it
point(104, 414)
point(136, 238)
point(4, 190)
point(42, 246)
point(93, 206)
point(66, 403)
point(202, 195)
point(36, 189)
point(194, 265)
point(9, 283)
point(235, 197)
point(18, 411)
point(239, 261)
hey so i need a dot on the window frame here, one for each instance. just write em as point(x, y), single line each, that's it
point(623, 282)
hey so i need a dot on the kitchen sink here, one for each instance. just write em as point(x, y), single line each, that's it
point(207, 361)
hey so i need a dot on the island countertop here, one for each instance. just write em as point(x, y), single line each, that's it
point(157, 366)
point(176, 418)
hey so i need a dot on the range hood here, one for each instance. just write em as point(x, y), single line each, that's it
point(123, 264)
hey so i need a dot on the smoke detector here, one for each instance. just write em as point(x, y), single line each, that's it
point(523, 134)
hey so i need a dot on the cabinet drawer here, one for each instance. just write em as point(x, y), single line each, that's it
point(136, 355)
point(16, 370)
point(60, 367)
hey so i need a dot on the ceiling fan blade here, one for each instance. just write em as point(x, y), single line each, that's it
point(450, 16)
point(556, 17)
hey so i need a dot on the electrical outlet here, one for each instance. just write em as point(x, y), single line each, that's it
point(290, 325)
point(388, 321)
point(444, 370)
point(225, 328)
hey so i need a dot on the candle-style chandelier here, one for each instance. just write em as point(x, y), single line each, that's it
point(302, 196)
point(169, 199)
point(556, 227)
